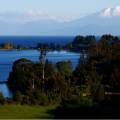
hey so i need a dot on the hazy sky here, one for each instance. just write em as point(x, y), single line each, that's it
point(58, 8)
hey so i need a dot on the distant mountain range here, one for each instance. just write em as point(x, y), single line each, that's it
point(106, 21)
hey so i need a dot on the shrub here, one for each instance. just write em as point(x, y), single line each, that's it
point(37, 97)
point(78, 101)
point(2, 99)
point(42, 98)
point(18, 97)
point(26, 100)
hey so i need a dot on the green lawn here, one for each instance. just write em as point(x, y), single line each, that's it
point(25, 112)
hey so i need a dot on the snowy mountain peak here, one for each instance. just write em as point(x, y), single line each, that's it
point(116, 11)
point(106, 12)
point(109, 12)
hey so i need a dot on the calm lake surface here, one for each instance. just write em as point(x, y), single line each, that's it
point(8, 57)
point(32, 41)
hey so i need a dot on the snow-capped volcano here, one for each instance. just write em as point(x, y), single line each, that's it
point(109, 12)
point(106, 21)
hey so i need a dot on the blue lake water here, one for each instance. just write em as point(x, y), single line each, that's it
point(8, 57)
point(32, 41)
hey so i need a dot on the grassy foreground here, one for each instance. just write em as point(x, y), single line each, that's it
point(26, 112)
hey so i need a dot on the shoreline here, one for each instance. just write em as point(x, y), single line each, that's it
point(38, 50)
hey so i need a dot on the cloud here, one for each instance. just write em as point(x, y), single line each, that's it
point(23, 17)
point(30, 16)
point(37, 15)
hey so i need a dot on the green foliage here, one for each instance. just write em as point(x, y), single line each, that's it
point(102, 67)
point(86, 102)
point(18, 97)
point(27, 74)
point(26, 100)
point(100, 93)
point(39, 98)
point(78, 101)
point(82, 42)
point(2, 99)
point(49, 69)
point(65, 68)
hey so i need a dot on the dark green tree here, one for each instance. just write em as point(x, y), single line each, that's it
point(2, 99)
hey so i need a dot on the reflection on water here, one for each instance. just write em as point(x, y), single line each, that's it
point(8, 57)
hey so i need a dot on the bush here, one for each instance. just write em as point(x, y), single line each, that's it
point(86, 102)
point(36, 97)
point(78, 101)
point(42, 98)
point(26, 100)
point(18, 97)
point(2, 99)
point(99, 93)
